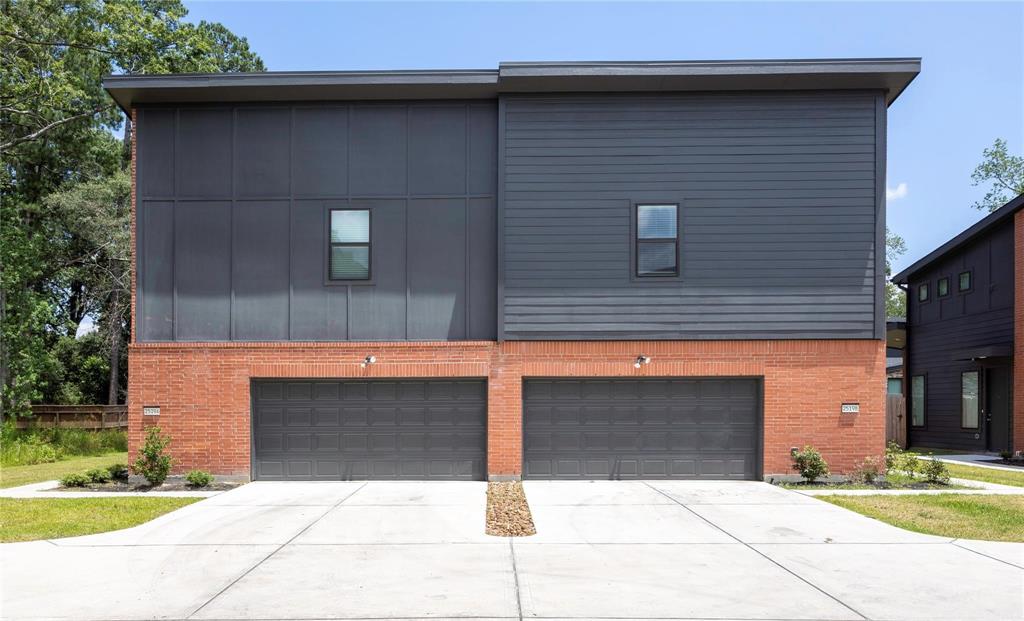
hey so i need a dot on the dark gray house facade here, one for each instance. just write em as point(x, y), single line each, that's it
point(963, 374)
point(597, 270)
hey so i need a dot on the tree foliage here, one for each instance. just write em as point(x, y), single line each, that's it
point(895, 298)
point(1004, 171)
point(64, 188)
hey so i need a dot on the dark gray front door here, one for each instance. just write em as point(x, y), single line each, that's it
point(641, 428)
point(997, 408)
point(369, 429)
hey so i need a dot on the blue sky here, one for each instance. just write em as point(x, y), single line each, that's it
point(970, 91)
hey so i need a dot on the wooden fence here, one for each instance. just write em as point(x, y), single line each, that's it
point(77, 417)
point(896, 420)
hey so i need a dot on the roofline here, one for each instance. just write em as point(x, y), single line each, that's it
point(964, 238)
point(891, 75)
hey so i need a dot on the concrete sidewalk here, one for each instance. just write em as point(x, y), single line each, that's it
point(684, 550)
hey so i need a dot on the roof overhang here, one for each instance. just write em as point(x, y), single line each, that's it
point(964, 238)
point(891, 75)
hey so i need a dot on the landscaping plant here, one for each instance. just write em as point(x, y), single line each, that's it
point(98, 475)
point(153, 463)
point(867, 470)
point(75, 479)
point(810, 464)
point(935, 471)
point(118, 472)
point(899, 461)
point(199, 478)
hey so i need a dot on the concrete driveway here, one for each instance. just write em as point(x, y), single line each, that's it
point(685, 550)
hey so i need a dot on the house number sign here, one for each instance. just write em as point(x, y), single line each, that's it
point(151, 410)
point(851, 408)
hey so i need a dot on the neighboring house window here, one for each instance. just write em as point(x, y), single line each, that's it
point(350, 244)
point(894, 386)
point(657, 240)
point(942, 287)
point(917, 401)
point(922, 292)
point(969, 400)
point(965, 281)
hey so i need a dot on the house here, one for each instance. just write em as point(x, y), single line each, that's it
point(548, 270)
point(965, 330)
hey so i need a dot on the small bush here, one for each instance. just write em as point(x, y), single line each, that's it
point(98, 475)
point(810, 464)
point(75, 479)
point(1005, 454)
point(935, 471)
point(867, 471)
point(199, 478)
point(153, 463)
point(899, 461)
point(118, 472)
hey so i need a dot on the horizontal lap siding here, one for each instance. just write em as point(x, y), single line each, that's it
point(778, 196)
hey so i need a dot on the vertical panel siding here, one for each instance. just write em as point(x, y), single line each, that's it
point(232, 217)
point(778, 208)
point(943, 330)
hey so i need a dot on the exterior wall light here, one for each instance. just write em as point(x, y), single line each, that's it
point(642, 360)
point(368, 361)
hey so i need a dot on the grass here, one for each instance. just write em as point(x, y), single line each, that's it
point(12, 476)
point(992, 518)
point(29, 519)
point(988, 475)
point(24, 447)
point(920, 450)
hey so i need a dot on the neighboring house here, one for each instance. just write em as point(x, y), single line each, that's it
point(582, 270)
point(965, 338)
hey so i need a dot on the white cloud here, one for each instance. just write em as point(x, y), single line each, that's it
point(892, 194)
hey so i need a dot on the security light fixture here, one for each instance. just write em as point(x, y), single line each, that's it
point(642, 360)
point(368, 361)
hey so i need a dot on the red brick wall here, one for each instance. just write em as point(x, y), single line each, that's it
point(1018, 332)
point(203, 389)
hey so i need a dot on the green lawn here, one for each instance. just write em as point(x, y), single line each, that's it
point(29, 519)
point(988, 475)
point(12, 476)
point(989, 517)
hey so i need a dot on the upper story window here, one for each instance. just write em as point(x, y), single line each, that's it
point(942, 287)
point(922, 292)
point(965, 281)
point(969, 400)
point(917, 397)
point(657, 240)
point(349, 257)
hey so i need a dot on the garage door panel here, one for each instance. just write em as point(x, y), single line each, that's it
point(637, 428)
point(369, 429)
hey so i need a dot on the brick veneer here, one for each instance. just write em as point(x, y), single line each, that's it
point(1018, 332)
point(203, 388)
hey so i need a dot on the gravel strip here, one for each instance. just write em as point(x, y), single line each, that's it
point(508, 513)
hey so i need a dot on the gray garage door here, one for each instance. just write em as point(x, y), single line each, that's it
point(369, 429)
point(646, 428)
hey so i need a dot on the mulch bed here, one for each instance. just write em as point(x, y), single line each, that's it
point(875, 485)
point(508, 513)
point(1018, 463)
point(169, 486)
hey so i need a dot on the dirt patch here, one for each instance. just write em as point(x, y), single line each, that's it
point(170, 486)
point(508, 513)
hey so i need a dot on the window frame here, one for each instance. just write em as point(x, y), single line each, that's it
point(924, 401)
point(977, 397)
point(329, 246)
point(635, 241)
point(938, 287)
point(926, 287)
point(970, 281)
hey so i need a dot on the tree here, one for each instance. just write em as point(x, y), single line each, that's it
point(1004, 171)
point(59, 154)
point(895, 298)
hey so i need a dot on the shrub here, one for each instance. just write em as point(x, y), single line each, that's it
point(935, 471)
point(75, 479)
point(199, 478)
point(1005, 454)
point(899, 461)
point(810, 464)
point(118, 472)
point(153, 463)
point(98, 475)
point(867, 471)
